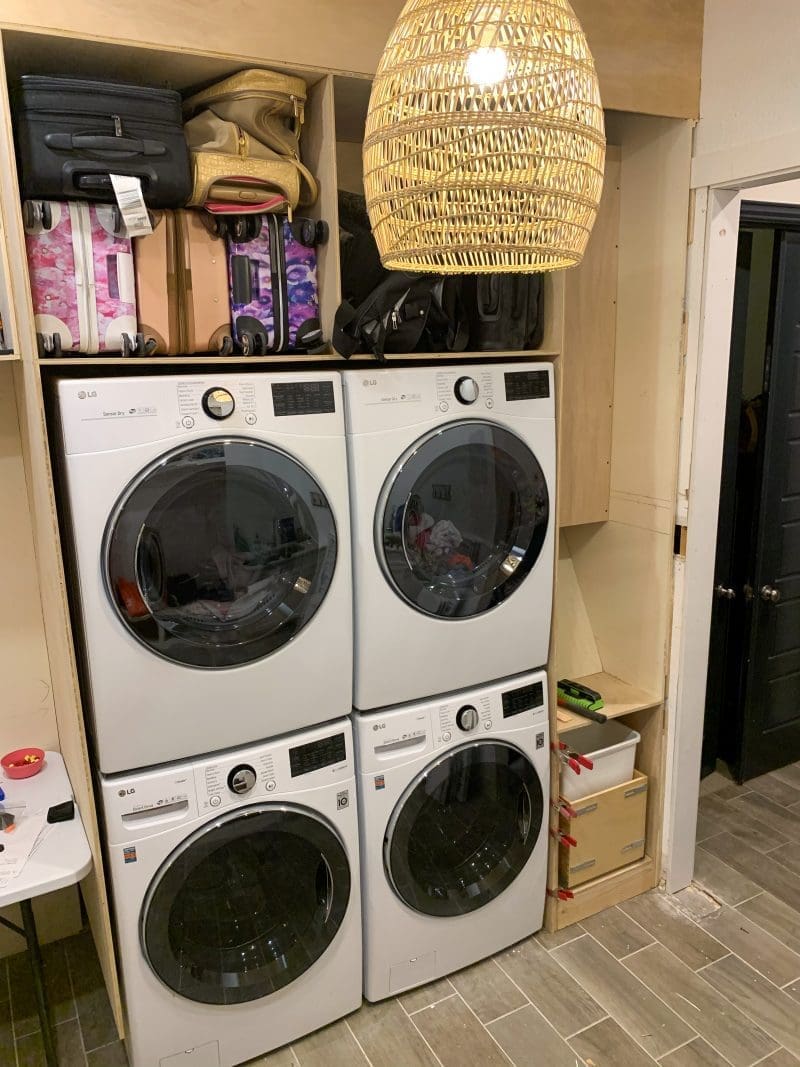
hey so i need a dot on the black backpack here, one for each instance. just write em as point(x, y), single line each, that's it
point(505, 312)
point(407, 312)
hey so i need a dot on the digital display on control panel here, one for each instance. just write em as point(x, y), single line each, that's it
point(526, 697)
point(527, 384)
point(303, 398)
point(317, 754)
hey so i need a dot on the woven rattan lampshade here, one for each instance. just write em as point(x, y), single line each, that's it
point(485, 142)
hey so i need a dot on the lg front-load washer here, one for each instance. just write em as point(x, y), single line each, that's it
point(235, 882)
point(452, 481)
point(210, 528)
point(453, 798)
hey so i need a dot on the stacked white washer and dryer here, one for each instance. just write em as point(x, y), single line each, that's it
point(210, 550)
point(452, 482)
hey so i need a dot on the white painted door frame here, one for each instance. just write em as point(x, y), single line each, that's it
point(709, 308)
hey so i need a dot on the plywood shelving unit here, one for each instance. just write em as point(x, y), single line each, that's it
point(613, 329)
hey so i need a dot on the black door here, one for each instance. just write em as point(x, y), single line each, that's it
point(771, 730)
point(464, 829)
point(727, 644)
point(245, 905)
point(219, 553)
point(462, 519)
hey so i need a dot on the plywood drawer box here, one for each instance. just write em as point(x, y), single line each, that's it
point(609, 827)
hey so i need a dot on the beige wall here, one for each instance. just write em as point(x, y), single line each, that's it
point(750, 100)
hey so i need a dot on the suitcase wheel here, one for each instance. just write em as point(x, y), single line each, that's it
point(304, 231)
point(322, 232)
point(127, 346)
point(260, 344)
point(57, 350)
point(246, 341)
point(245, 228)
point(143, 346)
point(35, 213)
point(226, 348)
point(41, 346)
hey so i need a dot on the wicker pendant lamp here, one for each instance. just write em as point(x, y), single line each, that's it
point(485, 142)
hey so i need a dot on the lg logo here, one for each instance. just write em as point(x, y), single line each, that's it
point(126, 792)
point(369, 382)
point(379, 726)
point(84, 393)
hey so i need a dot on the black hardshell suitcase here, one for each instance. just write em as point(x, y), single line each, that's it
point(72, 133)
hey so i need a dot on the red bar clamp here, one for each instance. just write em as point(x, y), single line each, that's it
point(564, 839)
point(561, 894)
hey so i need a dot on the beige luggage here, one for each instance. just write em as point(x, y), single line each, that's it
point(182, 286)
point(254, 117)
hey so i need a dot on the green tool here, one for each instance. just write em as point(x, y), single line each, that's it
point(581, 699)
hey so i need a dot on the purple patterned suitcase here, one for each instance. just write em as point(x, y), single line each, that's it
point(273, 281)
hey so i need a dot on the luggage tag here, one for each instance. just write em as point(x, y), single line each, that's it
point(130, 201)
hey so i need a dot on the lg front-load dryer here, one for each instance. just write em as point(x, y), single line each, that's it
point(452, 481)
point(453, 798)
point(236, 890)
point(209, 521)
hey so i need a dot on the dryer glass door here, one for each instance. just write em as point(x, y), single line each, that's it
point(462, 519)
point(246, 904)
point(464, 829)
point(219, 553)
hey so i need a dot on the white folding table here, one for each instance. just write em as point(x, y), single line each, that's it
point(62, 857)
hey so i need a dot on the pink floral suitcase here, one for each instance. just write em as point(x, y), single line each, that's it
point(82, 278)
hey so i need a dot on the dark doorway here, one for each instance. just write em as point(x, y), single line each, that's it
point(752, 719)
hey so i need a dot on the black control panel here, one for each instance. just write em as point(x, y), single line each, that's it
point(527, 384)
point(303, 398)
point(515, 701)
point(317, 754)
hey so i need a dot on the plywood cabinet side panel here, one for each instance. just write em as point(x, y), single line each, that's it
point(319, 155)
point(624, 573)
point(350, 166)
point(650, 760)
point(575, 645)
point(656, 156)
point(590, 320)
point(647, 53)
point(28, 715)
point(46, 540)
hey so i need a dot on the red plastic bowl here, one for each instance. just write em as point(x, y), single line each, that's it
point(14, 764)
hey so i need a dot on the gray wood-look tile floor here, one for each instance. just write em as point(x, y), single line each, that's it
point(708, 978)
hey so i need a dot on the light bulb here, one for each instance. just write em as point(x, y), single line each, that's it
point(487, 66)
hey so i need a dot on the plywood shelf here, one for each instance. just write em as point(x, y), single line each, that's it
point(605, 892)
point(620, 698)
point(281, 359)
point(185, 361)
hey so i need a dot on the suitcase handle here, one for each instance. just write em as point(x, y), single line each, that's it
point(102, 144)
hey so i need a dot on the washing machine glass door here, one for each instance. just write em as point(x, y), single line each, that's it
point(464, 829)
point(246, 904)
point(220, 553)
point(462, 519)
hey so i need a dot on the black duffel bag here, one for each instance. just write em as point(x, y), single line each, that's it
point(407, 312)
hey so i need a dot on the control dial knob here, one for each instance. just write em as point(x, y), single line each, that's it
point(466, 390)
point(467, 718)
point(241, 779)
point(218, 403)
